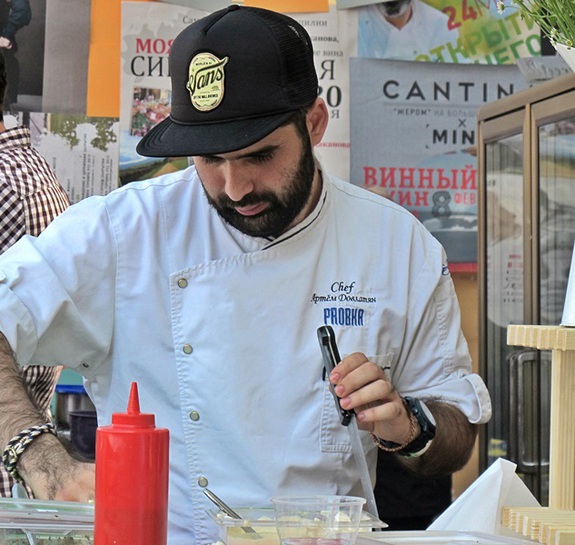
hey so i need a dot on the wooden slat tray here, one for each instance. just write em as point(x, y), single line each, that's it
point(541, 524)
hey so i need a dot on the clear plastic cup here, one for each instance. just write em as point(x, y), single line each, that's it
point(317, 520)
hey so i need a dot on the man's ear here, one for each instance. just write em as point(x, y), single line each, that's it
point(317, 117)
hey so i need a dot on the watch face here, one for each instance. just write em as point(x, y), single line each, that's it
point(428, 414)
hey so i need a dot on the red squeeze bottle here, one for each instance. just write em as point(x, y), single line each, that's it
point(131, 504)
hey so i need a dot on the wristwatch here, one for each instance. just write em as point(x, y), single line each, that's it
point(427, 424)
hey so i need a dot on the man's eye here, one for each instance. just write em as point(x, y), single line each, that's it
point(262, 158)
point(210, 159)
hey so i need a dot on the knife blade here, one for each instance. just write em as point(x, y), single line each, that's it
point(331, 358)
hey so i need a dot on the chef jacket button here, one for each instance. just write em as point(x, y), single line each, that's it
point(182, 283)
point(188, 349)
point(203, 482)
point(195, 416)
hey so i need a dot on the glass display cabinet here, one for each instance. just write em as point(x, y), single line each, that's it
point(526, 209)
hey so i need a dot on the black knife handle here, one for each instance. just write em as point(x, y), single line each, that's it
point(331, 358)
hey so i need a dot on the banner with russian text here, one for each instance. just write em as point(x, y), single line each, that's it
point(148, 30)
point(413, 138)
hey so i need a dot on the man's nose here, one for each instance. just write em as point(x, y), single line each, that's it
point(237, 181)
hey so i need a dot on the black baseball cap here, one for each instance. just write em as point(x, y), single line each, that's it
point(237, 75)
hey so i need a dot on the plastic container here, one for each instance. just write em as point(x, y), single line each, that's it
point(24, 521)
point(318, 520)
point(131, 479)
point(262, 519)
point(440, 538)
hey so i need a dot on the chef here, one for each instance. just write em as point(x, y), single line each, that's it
point(207, 286)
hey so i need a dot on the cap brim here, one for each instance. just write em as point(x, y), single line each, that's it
point(172, 139)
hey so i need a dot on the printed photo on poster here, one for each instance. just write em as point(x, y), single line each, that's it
point(431, 169)
point(407, 30)
point(22, 31)
point(45, 46)
point(149, 107)
point(456, 31)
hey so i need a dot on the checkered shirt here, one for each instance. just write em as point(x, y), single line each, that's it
point(30, 198)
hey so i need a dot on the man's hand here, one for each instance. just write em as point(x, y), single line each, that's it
point(53, 474)
point(5, 43)
point(362, 386)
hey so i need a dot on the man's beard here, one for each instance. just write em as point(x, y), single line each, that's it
point(282, 208)
point(395, 8)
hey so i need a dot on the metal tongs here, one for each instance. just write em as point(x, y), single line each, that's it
point(227, 509)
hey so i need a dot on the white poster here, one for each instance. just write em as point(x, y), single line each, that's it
point(413, 138)
point(334, 37)
point(83, 151)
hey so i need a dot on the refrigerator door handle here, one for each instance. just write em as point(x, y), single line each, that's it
point(528, 423)
point(513, 413)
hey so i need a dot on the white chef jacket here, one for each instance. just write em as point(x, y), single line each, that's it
point(218, 329)
point(425, 36)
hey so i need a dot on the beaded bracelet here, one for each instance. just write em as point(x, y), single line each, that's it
point(390, 446)
point(17, 445)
